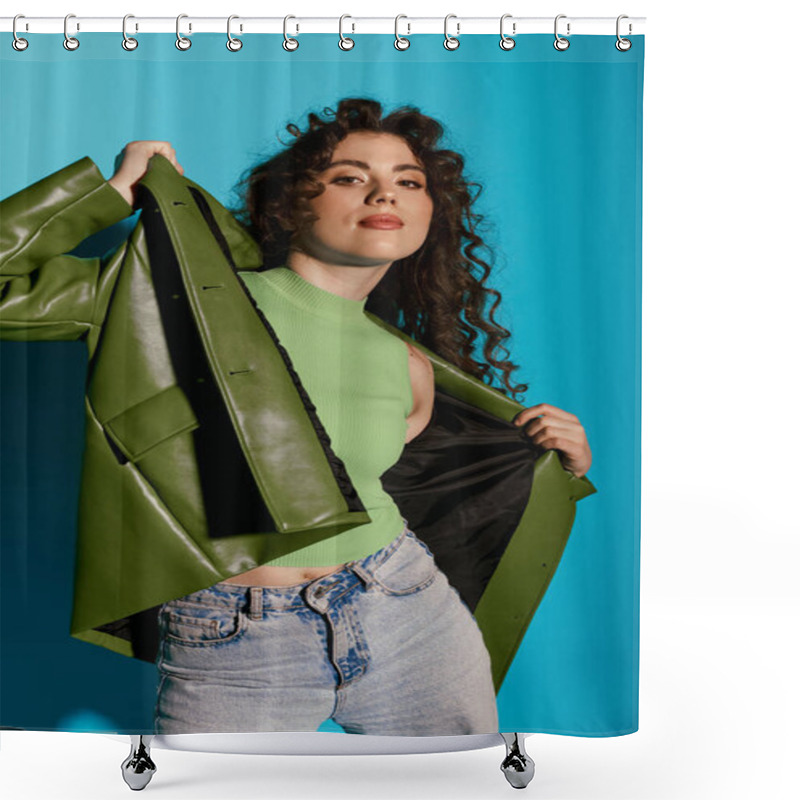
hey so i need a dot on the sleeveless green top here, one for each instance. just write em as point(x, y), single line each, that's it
point(357, 376)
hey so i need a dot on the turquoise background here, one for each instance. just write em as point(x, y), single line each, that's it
point(555, 139)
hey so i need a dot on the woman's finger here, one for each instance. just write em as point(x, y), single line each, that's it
point(543, 408)
point(538, 424)
point(541, 437)
point(567, 446)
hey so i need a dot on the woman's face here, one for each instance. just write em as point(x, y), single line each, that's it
point(375, 208)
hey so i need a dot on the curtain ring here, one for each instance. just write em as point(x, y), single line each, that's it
point(561, 43)
point(623, 44)
point(128, 42)
point(400, 42)
point(345, 43)
point(181, 42)
point(70, 42)
point(233, 44)
point(19, 44)
point(290, 43)
point(506, 42)
point(451, 42)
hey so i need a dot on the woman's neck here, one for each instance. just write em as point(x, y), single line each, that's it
point(348, 281)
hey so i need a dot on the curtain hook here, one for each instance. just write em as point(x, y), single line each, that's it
point(561, 43)
point(506, 42)
point(451, 42)
point(345, 43)
point(289, 43)
point(400, 42)
point(128, 42)
point(181, 42)
point(233, 44)
point(70, 42)
point(18, 43)
point(623, 44)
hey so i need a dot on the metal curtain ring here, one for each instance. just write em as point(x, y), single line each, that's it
point(70, 42)
point(233, 44)
point(451, 42)
point(128, 42)
point(506, 42)
point(560, 43)
point(346, 43)
point(623, 44)
point(18, 42)
point(181, 42)
point(400, 42)
point(290, 43)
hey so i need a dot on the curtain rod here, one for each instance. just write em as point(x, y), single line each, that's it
point(407, 25)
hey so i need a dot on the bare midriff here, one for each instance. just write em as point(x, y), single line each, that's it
point(280, 576)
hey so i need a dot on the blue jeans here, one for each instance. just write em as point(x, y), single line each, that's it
point(383, 646)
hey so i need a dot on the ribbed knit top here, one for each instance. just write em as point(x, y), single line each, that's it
point(356, 374)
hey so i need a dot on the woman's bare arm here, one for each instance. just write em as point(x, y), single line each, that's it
point(422, 387)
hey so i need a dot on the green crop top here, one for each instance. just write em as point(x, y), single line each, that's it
point(357, 376)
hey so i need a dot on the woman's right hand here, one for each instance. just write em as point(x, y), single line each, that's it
point(134, 165)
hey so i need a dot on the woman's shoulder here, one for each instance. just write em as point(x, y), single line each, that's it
point(422, 390)
point(418, 358)
point(422, 378)
point(419, 363)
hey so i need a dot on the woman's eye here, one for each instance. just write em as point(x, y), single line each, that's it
point(348, 180)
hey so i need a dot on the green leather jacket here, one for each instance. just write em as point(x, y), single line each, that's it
point(204, 456)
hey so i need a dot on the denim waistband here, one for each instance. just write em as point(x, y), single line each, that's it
point(332, 586)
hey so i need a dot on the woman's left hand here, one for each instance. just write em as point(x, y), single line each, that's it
point(554, 429)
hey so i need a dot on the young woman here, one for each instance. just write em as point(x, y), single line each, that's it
point(361, 211)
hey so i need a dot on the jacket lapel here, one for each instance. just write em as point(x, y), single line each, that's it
point(251, 378)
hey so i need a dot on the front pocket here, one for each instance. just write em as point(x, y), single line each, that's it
point(140, 428)
point(199, 625)
point(411, 568)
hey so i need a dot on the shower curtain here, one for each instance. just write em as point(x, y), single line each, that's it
point(551, 142)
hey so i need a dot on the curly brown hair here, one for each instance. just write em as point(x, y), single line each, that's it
point(438, 294)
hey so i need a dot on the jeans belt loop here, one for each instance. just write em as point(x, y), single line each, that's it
point(362, 573)
point(256, 602)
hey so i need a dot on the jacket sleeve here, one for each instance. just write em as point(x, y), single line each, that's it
point(44, 293)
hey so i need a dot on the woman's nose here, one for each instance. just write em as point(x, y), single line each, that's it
point(381, 193)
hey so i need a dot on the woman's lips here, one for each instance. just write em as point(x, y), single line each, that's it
point(382, 222)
